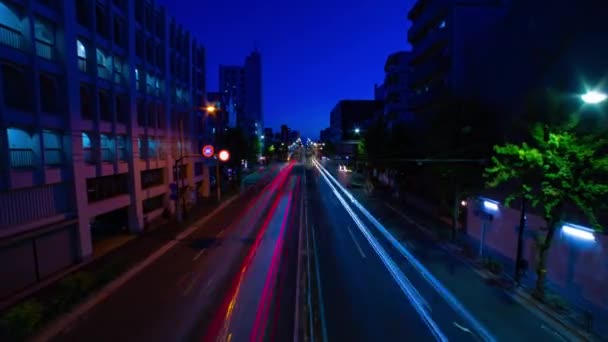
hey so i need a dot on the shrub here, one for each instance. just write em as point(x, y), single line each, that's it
point(22, 320)
point(72, 290)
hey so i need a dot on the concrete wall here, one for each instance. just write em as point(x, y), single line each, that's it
point(576, 268)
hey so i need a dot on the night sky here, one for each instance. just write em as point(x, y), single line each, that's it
point(314, 52)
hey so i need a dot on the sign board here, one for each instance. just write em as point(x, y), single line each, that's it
point(208, 151)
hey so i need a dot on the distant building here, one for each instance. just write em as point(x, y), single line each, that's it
point(396, 88)
point(379, 92)
point(293, 136)
point(244, 86)
point(285, 132)
point(252, 119)
point(268, 133)
point(349, 118)
point(325, 135)
point(232, 84)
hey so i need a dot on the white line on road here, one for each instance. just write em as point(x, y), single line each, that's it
point(198, 255)
point(356, 243)
point(321, 302)
point(408, 289)
point(441, 290)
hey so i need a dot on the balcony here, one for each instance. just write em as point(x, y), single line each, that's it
point(53, 157)
point(432, 69)
point(44, 50)
point(430, 45)
point(11, 37)
point(22, 158)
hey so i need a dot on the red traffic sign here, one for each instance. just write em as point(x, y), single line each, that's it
point(224, 155)
point(208, 151)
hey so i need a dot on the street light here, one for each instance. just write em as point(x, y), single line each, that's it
point(357, 130)
point(593, 97)
point(210, 109)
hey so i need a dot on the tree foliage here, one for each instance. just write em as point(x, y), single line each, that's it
point(559, 167)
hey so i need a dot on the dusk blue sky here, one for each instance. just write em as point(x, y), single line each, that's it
point(314, 52)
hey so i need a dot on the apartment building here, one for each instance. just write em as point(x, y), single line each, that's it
point(444, 35)
point(97, 101)
point(396, 88)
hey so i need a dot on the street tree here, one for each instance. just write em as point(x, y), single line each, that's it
point(558, 168)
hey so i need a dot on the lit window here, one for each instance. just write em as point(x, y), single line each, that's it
point(81, 50)
point(442, 24)
point(136, 74)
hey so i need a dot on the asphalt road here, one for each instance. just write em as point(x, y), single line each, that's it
point(181, 295)
point(363, 278)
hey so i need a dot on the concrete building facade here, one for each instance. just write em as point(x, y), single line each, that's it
point(97, 100)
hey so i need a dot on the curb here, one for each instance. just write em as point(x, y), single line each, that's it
point(559, 327)
point(55, 327)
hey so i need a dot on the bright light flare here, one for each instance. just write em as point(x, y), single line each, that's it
point(224, 155)
point(463, 203)
point(593, 97)
point(489, 205)
point(210, 109)
point(578, 232)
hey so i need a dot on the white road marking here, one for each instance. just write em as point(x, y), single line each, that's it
point(462, 328)
point(356, 243)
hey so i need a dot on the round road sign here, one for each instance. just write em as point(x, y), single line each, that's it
point(208, 151)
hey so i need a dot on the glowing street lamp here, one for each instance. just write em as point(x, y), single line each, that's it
point(579, 232)
point(593, 97)
point(357, 130)
point(210, 109)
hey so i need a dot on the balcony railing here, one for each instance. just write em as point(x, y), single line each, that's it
point(53, 156)
point(22, 158)
point(44, 49)
point(107, 155)
point(11, 37)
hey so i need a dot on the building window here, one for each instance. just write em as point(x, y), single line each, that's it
point(86, 102)
point(152, 148)
point(10, 27)
point(82, 13)
point(107, 148)
point(21, 152)
point(153, 203)
point(45, 39)
point(150, 178)
point(16, 95)
point(118, 70)
point(119, 36)
point(122, 115)
point(48, 94)
point(101, 188)
point(53, 148)
point(442, 24)
point(104, 64)
point(87, 148)
point(105, 109)
point(141, 146)
point(81, 52)
point(101, 20)
point(121, 148)
point(141, 114)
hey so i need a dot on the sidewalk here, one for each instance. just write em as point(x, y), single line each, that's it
point(439, 233)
